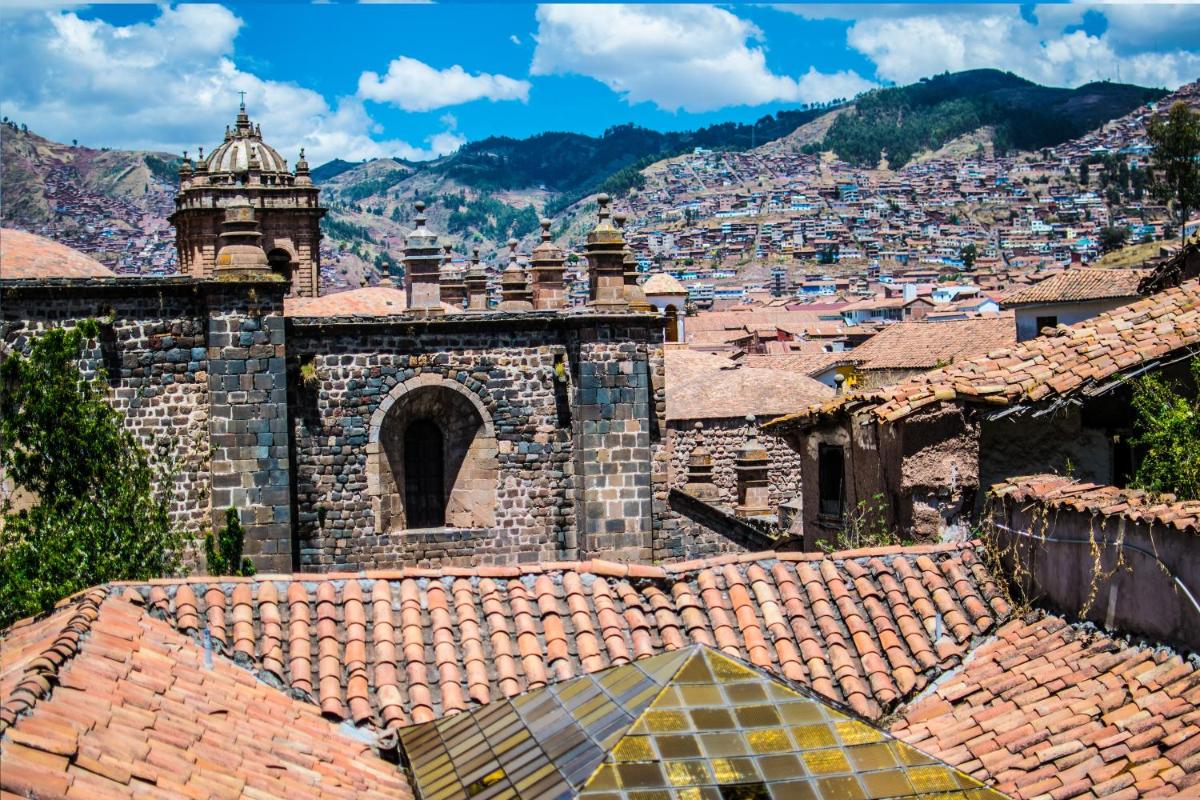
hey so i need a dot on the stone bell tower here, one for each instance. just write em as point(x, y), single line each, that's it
point(243, 168)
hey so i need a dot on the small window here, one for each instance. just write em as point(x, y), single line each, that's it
point(831, 479)
point(1046, 322)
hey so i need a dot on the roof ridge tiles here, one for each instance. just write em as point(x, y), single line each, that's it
point(40, 671)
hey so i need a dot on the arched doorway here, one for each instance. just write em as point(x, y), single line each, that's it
point(424, 475)
point(432, 458)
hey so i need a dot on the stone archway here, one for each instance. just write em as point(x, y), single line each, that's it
point(453, 429)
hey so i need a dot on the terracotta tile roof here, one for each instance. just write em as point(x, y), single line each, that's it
point(1075, 358)
point(1058, 491)
point(805, 363)
point(1058, 710)
point(925, 345)
point(25, 256)
point(741, 391)
point(867, 628)
point(124, 705)
point(1077, 284)
point(369, 301)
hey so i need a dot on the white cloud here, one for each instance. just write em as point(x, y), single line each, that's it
point(170, 84)
point(690, 57)
point(415, 86)
point(515, 39)
point(1154, 47)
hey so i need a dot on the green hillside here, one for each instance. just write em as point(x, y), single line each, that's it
point(902, 121)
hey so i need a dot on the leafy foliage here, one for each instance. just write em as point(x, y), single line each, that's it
point(577, 164)
point(1168, 428)
point(96, 515)
point(364, 189)
point(343, 230)
point(493, 219)
point(163, 169)
point(1176, 158)
point(866, 525)
point(223, 551)
point(905, 120)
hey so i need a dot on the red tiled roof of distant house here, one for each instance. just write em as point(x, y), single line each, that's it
point(1078, 284)
point(1058, 710)
point(739, 392)
point(105, 701)
point(1060, 491)
point(925, 345)
point(27, 256)
point(1082, 355)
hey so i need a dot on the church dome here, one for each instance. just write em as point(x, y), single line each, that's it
point(244, 150)
point(27, 256)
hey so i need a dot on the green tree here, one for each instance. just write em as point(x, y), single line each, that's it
point(969, 254)
point(1167, 424)
point(1084, 173)
point(1176, 160)
point(95, 513)
point(1113, 238)
point(223, 551)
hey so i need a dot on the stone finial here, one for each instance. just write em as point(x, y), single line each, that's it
point(476, 283)
point(606, 257)
point(514, 284)
point(422, 265)
point(547, 267)
point(241, 256)
point(634, 296)
point(700, 470)
point(453, 285)
point(751, 465)
point(303, 177)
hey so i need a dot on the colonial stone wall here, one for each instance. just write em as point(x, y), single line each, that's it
point(247, 381)
point(152, 353)
point(565, 405)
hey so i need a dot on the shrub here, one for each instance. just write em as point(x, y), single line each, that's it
point(224, 550)
point(96, 514)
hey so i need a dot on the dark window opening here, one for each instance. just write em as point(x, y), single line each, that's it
point(109, 354)
point(1046, 322)
point(281, 264)
point(745, 791)
point(831, 480)
point(424, 487)
point(672, 315)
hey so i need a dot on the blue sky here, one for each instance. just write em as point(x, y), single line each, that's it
point(366, 80)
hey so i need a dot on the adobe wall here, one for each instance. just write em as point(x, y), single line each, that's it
point(572, 457)
point(1133, 590)
point(1060, 443)
point(153, 356)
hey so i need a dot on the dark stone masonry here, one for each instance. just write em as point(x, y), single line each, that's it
point(349, 437)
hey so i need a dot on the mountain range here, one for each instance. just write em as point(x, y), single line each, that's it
point(497, 187)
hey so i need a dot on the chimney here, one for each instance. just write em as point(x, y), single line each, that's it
point(547, 266)
point(453, 287)
point(634, 295)
point(476, 282)
point(700, 471)
point(514, 285)
point(751, 466)
point(241, 256)
point(422, 260)
point(606, 262)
